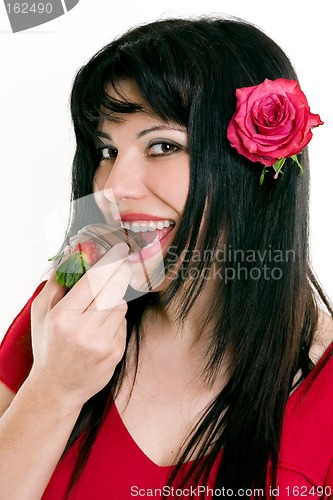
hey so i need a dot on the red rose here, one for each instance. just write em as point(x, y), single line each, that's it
point(272, 121)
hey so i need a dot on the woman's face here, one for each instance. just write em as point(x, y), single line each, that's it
point(142, 180)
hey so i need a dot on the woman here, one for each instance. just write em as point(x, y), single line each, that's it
point(217, 382)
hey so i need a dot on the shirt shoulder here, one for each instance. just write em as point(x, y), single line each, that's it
point(307, 435)
point(15, 350)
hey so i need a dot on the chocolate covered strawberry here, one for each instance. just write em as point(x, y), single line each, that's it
point(88, 246)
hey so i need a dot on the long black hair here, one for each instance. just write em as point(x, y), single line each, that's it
point(187, 70)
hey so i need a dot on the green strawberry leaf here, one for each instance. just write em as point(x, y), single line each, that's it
point(56, 257)
point(71, 270)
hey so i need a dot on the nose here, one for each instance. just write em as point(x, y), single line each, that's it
point(126, 178)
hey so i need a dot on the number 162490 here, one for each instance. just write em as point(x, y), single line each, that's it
point(24, 8)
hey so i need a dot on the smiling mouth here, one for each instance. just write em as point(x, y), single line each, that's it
point(142, 234)
point(138, 236)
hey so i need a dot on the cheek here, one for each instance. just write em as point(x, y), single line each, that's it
point(99, 180)
point(180, 188)
point(180, 191)
point(172, 187)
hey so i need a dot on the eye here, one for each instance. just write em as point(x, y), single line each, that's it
point(107, 153)
point(162, 148)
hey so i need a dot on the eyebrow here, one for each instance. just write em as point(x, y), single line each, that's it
point(159, 127)
point(102, 135)
point(143, 132)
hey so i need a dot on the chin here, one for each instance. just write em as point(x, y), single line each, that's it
point(147, 276)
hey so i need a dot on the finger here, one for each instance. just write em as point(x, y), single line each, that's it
point(116, 316)
point(117, 339)
point(50, 295)
point(114, 290)
point(89, 286)
point(121, 336)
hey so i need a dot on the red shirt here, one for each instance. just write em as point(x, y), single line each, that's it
point(117, 469)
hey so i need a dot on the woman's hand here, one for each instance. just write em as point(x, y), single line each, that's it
point(79, 338)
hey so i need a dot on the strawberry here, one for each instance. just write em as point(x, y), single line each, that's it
point(84, 255)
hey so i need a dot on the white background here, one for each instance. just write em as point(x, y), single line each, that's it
point(37, 69)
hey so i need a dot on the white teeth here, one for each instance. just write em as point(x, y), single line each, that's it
point(143, 226)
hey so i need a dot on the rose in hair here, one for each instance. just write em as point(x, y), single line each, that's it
point(272, 122)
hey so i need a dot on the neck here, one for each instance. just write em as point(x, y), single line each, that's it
point(187, 342)
point(197, 324)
